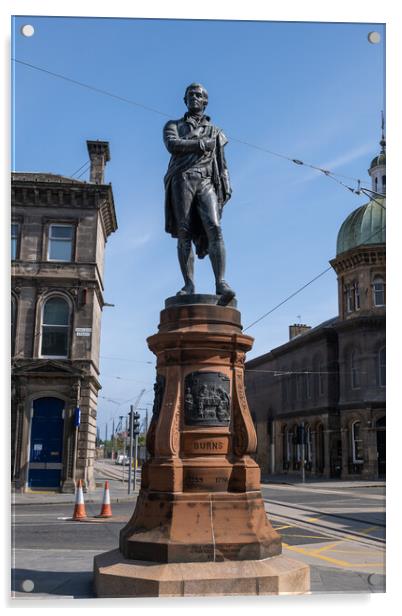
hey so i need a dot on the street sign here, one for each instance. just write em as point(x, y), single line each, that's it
point(77, 417)
point(83, 331)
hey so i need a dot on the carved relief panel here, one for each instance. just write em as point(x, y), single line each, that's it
point(207, 399)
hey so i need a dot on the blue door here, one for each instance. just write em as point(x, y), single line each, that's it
point(45, 459)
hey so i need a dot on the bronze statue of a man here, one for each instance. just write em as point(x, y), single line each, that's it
point(197, 187)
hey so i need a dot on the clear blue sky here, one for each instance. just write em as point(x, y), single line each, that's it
point(312, 91)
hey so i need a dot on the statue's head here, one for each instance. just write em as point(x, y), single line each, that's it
point(196, 97)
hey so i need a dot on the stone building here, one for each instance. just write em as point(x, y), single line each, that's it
point(329, 381)
point(59, 230)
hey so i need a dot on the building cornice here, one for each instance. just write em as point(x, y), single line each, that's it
point(33, 190)
point(65, 368)
point(356, 257)
point(30, 273)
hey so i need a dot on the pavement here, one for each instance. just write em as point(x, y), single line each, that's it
point(339, 564)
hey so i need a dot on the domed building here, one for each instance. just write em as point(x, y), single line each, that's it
point(323, 391)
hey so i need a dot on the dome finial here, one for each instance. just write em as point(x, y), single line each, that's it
point(382, 142)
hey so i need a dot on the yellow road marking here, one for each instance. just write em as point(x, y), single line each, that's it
point(323, 537)
point(355, 551)
point(335, 561)
point(367, 530)
point(281, 527)
point(312, 519)
point(325, 548)
point(49, 492)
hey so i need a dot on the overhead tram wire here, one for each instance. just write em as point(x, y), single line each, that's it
point(302, 288)
point(87, 162)
point(137, 361)
point(287, 299)
point(89, 87)
point(299, 162)
point(82, 172)
point(296, 161)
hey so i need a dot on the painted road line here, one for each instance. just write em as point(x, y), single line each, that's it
point(72, 550)
point(333, 532)
point(302, 511)
point(310, 536)
point(353, 510)
point(334, 561)
point(350, 493)
point(31, 515)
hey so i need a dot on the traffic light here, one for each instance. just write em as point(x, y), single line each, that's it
point(136, 424)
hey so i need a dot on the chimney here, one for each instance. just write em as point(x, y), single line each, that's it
point(296, 329)
point(99, 155)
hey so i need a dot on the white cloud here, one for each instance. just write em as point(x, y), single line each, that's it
point(129, 243)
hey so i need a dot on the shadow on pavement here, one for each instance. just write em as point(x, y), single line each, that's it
point(327, 579)
point(26, 583)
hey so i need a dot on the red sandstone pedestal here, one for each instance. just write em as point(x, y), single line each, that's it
point(199, 526)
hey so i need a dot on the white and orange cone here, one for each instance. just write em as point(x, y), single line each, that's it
point(79, 509)
point(106, 511)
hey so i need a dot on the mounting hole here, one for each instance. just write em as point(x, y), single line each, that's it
point(374, 37)
point(27, 585)
point(27, 30)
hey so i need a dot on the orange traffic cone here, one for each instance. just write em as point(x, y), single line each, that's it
point(79, 509)
point(106, 511)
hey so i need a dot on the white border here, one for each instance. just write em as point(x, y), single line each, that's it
point(287, 10)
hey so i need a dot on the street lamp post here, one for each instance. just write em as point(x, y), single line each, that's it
point(303, 470)
point(136, 427)
point(130, 455)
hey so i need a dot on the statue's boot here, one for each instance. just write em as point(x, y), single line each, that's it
point(225, 291)
point(188, 289)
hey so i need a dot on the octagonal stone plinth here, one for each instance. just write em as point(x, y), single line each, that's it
point(116, 576)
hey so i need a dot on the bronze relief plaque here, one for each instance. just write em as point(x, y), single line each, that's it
point(207, 399)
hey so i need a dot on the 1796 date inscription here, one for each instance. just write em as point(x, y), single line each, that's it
point(206, 399)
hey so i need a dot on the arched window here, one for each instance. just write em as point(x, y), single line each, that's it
point(319, 447)
point(13, 323)
point(286, 447)
point(357, 442)
point(15, 236)
point(292, 444)
point(296, 447)
point(356, 293)
point(349, 299)
point(55, 328)
point(308, 444)
point(354, 370)
point(378, 291)
point(381, 368)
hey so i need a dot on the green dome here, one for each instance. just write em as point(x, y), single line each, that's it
point(364, 226)
point(378, 160)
